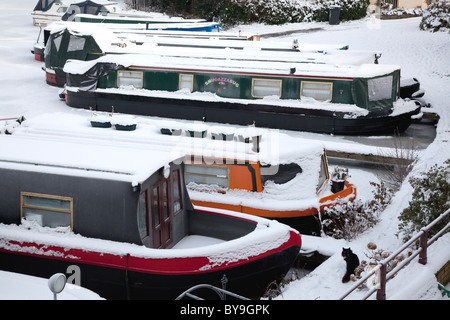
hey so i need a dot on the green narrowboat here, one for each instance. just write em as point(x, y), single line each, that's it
point(317, 96)
point(87, 41)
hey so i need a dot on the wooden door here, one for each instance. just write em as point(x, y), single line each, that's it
point(161, 214)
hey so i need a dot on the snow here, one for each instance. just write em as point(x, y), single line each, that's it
point(16, 286)
point(420, 54)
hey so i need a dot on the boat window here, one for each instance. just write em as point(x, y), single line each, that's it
point(61, 9)
point(76, 43)
point(323, 174)
point(321, 91)
point(285, 173)
point(144, 223)
point(176, 186)
point(212, 175)
point(130, 78)
point(155, 205)
point(380, 88)
point(56, 41)
point(47, 210)
point(186, 81)
point(263, 88)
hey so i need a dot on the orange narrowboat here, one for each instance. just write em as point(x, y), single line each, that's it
point(294, 187)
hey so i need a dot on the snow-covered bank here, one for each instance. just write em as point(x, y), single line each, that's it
point(420, 54)
point(16, 286)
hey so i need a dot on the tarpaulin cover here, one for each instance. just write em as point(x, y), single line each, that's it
point(376, 94)
point(65, 45)
point(88, 7)
point(44, 5)
point(88, 80)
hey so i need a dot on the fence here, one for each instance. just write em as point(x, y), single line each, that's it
point(380, 269)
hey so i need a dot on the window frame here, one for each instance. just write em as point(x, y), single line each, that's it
point(227, 168)
point(180, 76)
point(269, 80)
point(317, 82)
point(46, 196)
point(176, 173)
point(119, 77)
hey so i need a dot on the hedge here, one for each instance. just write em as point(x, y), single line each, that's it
point(232, 12)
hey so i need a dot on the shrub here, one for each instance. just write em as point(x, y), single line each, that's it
point(232, 12)
point(375, 256)
point(347, 220)
point(436, 17)
point(430, 198)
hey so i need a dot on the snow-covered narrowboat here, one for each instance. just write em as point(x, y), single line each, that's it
point(118, 220)
point(87, 41)
point(322, 95)
point(271, 175)
point(262, 172)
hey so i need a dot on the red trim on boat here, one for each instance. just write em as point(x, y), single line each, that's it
point(50, 78)
point(167, 266)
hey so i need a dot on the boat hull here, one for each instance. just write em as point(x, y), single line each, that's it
point(118, 277)
point(262, 115)
point(115, 281)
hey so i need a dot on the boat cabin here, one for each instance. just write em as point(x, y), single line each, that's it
point(95, 191)
point(120, 216)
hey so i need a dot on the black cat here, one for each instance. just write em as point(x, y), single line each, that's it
point(352, 263)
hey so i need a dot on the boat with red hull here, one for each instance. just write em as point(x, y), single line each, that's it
point(117, 219)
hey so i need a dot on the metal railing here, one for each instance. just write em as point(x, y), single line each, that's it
point(380, 270)
point(221, 292)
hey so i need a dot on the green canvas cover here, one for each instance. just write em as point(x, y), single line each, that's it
point(64, 45)
point(376, 94)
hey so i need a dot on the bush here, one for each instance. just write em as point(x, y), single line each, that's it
point(430, 198)
point(347, 220)
point(436, 17)
point(232, 12)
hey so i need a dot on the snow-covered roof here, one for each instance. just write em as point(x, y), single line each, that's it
point(338, 65)
point(80, 158)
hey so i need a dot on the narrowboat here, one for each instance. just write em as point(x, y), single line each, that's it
point(118, 219)
point(317, 95)
point(266, 178)
point(261, 172)
point(84, 41)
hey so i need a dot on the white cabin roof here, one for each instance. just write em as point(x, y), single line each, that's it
point(53, 155)
point(337, 66)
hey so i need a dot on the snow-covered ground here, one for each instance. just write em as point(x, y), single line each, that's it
point(16, 286)
point(424, 55)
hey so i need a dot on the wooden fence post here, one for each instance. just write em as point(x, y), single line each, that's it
point(381, 291)
point(423, 245)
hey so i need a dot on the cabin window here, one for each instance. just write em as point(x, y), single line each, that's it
point(130, 78)
point(320, 91)
point(56, 42)
point(76, 43)
point(144, 223)
point(186, 81)
point(263, 88)
point(214, 176)
point(176, 186)
point(323, 173)
point(380, 88)
point(47, 210)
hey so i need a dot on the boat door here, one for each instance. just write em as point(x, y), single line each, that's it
point(161, 214)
